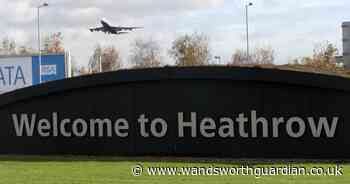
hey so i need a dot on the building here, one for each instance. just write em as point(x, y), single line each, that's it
point(346, 44)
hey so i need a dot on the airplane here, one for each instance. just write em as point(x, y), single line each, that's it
point(108, 29)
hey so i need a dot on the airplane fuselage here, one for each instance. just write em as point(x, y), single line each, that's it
point(107, 28)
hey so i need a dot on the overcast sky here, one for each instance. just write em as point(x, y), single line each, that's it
point(291, 27)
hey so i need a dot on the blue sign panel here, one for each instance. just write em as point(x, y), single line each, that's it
point(52, 68)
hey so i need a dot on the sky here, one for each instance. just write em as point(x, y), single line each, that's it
point(290, 27)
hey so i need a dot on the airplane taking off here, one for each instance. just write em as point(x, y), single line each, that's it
point(108, 29)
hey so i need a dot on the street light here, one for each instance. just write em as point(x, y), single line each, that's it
point(247, 26)
point(218, 58)
point(100, 63)
point(39, 43)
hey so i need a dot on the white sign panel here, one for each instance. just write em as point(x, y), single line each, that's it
point(48, 70)
point(15, 73)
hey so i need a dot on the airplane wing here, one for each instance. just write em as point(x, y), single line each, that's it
point(97, 29)
point(122, 32)
point(118, 32)
point(126, 28)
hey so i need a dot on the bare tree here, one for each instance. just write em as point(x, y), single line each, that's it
point(75, 71)
point(23, 50)
point(325, 53)
point(324, 57)
point(5, 47)
point(238, 58)
point(8, 47)
point(83, 71)
point(260, 56)
point(54, 43)
point(263, 55)
point(94, 62)
point(191, 50)
point(108, 58)
point(12, 48)
point(145, 54)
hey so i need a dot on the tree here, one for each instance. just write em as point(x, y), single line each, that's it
point(54, 43)
point(82, 71)
point(23, 50)
point(239, 57)
point(12, 50)
point(94, 62)
point(324, 57)
point(108, 58)
point(145, 54)
point(75, 71)
point(263, 55)
point(191, 50)
point(8, 46)
point(5, 46)
point(260, 56)
point(47, 43)
point(325, 52)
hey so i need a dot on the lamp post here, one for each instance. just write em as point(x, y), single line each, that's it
point(100, 63)
point(247, 28)
point(218, 58)
point(39, 42)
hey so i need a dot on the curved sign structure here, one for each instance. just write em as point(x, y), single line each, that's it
point(204, 111)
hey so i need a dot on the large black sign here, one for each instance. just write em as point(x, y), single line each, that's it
point(205, 111)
